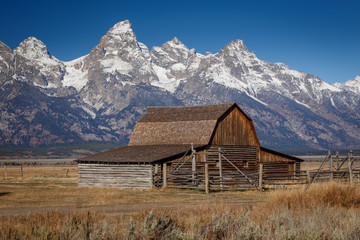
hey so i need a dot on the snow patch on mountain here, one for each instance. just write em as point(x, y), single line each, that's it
point(164, 81)
point(116, 64)
point(75, 76)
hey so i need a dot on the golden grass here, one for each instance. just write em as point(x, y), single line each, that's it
point(37, 171)
point(60, 191)
point(322, 211)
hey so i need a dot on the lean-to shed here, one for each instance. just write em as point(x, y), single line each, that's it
point(170, 145)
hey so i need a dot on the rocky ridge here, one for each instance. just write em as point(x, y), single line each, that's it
point(99, 97)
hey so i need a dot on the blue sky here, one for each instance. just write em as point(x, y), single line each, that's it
point(317, 37)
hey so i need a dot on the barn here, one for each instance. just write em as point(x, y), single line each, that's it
point(182, 147)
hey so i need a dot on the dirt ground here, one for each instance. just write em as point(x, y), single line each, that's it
point(54, 188)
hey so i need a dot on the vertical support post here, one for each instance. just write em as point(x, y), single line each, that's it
point(21, 171)
point(294, 173)
point(331, 166)
point(351, 177)
point(6, 176)
point(67, 173)
point(337, 159)
point(308, 177)
point(220, 169)
point(156, 169)
point(155, 175)
point(193, 165)
point(207, 183)
point(164, 175)
point(261, 167)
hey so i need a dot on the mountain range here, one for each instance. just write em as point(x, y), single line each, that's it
point(100, 96)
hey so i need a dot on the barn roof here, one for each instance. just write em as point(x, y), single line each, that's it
point(179, 125)
point(282, 154)
point(194, 113)
point(139, 154)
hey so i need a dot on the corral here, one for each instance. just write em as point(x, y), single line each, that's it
point(188, 147)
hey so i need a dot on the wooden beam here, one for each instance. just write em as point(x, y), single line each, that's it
point(261, 167)
point(6, 176)
point(351, 177)
point(308, 177)
point(207, 183)
point(193, 166)
point(220, 169)
point(331, 166)
point(164, 175)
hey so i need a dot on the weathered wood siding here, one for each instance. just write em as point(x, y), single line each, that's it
point(235, 129)
point(270, 157)
point(244, 158)
point(115, 175)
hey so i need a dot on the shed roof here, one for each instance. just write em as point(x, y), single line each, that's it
point(139, 154)
point(282, 154)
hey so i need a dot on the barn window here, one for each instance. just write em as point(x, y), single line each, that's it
point(245, 164)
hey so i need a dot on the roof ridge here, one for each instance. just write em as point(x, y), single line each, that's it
point(194, 106)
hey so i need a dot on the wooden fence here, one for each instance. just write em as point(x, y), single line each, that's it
point(218, 173)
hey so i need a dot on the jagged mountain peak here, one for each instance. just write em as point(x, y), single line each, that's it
point(173, 45)
point(118, 37)
point(121, 28)
point(32, 48)
point(175, 42)
point(350, 85)
point(237, 45)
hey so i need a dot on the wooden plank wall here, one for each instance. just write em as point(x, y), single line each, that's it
point(243, 157)
point(238, 155)
point(115, 175)
point(235, 129)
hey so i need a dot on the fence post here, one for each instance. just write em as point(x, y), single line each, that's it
point(337, 159)
point(193, 164)
point(21, 170)
point(193, 167)
point(164, 175)
point(67, 173)
point(261, 167)
point(207, 183)
point(6, 176)
point(308, 177)
point(220, 169)
point(351, 177)
point(331, 167)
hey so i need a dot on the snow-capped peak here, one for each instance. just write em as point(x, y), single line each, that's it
point(176, 43)
point(32, 48)
point(121, 28)
point(237, 45)
point(350, 85)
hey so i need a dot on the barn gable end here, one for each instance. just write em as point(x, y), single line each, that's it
point(234, 128)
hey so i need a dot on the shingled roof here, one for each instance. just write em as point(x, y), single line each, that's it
point(179, 125)
point(194, 113)
point(139, 154)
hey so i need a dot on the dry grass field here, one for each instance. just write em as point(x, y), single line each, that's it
point(47, 204)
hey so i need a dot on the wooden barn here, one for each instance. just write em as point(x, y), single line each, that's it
point(187, 147)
